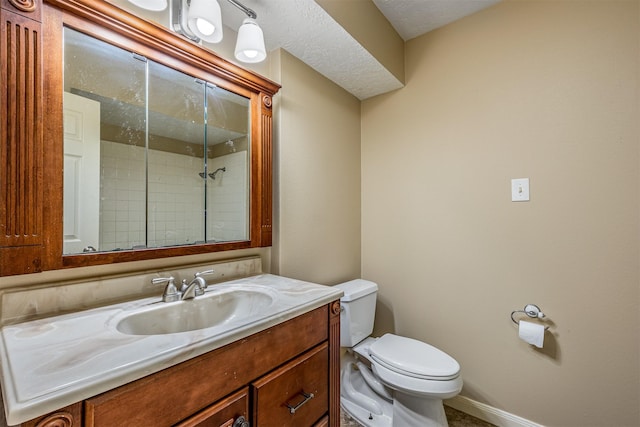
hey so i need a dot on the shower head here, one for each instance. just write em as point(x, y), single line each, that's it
point(213, 174)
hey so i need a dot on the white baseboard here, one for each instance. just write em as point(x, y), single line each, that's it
point(488, 413)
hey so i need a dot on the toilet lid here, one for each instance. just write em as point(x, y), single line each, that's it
point(413, 358)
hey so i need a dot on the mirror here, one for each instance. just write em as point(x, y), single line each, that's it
point(153, 157)
point(159, 119)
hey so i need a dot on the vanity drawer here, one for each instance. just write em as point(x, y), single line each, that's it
point(295, 394)
point(223, 413)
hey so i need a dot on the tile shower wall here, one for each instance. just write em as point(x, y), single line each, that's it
point(227, 210)
point(122, 196)
point(175, 205)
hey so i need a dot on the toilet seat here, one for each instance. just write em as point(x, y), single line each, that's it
point(439, 389)
point(413, 358)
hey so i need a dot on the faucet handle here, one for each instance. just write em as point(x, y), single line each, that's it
point(158, 280)
point(204, 273)
point(170, 293)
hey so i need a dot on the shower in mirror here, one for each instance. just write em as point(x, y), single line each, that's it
point(213, 174)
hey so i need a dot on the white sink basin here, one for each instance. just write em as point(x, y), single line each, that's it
point(222, 306)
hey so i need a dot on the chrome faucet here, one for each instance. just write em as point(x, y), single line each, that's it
point(170, 293)
point(196, 287)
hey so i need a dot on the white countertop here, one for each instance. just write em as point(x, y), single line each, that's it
point(50, 363)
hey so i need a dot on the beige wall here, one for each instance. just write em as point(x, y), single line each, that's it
point(317, 189)
point(538, 89)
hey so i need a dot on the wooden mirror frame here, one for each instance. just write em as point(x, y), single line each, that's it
point(31, 127)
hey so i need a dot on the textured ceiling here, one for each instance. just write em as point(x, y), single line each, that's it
point(413, 18)
point(305, 30)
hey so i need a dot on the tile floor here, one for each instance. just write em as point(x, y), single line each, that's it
point(454, 417)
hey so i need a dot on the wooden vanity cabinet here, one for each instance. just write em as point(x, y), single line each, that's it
point(286, 375)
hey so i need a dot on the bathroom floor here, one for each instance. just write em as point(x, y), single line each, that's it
point(454, 417)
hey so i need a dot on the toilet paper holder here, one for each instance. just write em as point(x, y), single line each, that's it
point(530, 310)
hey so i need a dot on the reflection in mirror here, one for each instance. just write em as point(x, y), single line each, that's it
point(153, 157)
point(227, 180)
point(175, 197)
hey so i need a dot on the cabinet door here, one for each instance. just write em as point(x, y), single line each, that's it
point(224, 413)
point(21, 138)
point(295, 394)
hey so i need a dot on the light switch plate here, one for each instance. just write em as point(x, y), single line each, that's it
point(520, 190)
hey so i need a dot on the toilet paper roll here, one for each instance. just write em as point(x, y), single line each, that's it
point(532, 333)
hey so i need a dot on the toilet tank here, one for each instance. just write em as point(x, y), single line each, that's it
point(358, 311)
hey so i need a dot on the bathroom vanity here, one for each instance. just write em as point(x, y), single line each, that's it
point(276, 361)
point(277, 365)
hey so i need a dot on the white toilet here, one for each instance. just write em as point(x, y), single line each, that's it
point(391, 381)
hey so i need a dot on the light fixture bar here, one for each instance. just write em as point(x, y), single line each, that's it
point(201, 20)
point(179, 11)
point(250, 13)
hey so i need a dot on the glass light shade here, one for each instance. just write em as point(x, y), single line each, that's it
point(250, 45)
point(153, 5)
point(205, 20)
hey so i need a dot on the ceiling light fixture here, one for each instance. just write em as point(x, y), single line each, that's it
point(250, 44)
point(202, 20)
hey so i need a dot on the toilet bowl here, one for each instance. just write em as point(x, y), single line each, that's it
point(390, 381)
